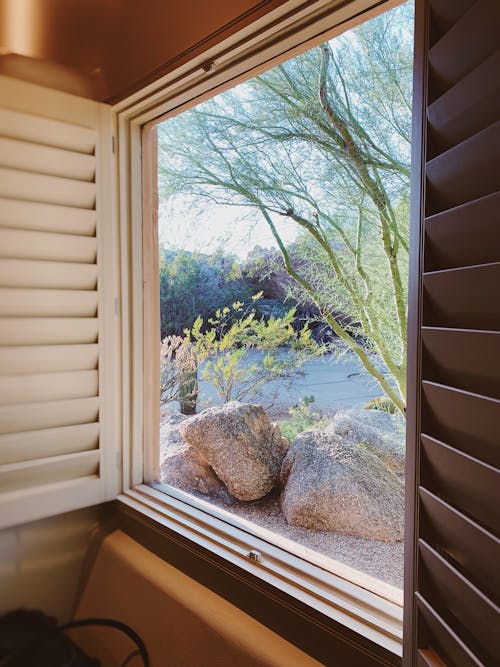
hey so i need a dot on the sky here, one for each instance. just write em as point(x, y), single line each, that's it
point(232, 228)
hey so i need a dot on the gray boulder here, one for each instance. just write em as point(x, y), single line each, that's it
point(241, 445)
point(181, 465)
point(337, 485)
point(380, 432)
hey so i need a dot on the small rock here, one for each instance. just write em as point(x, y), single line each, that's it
point(241, 445)
point(336, 485)
point(181, 465)
point(380, 432)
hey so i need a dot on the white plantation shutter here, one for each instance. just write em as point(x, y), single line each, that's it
point(58, 330)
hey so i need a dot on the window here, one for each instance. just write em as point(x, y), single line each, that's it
point(283, 241)
point(338, 594)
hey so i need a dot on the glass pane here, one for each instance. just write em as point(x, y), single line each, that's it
point(283, 227)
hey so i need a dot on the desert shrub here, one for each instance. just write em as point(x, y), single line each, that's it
point(382, 403)
point(218, 352)
point(194, 284)
point(224, 349)
point(302, 418)
point(178, 374)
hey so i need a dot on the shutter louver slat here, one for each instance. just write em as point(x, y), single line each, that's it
point(14, 476)
point(463, 298)
point(48, 442)
point(461, 358)
point(48, 331)
point(469, 484)
point(467, 171)
point(15, 154)
point(448, 644)
point(36, 388)
point(464, 236)
point(447, 13)
point(37, 416)
point(467, 421)
point(47, 131)
point(448, 58)
point(35, 216)
point(452, 121)
point(475, 549)
point(453, 556)
point(460, 600)
point(54, 298)
point(15, 184)
point(47, 358)
point(20, 302)
point(47, 274)
point(22, 244)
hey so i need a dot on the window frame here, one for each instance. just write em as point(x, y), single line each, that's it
point(340, 598)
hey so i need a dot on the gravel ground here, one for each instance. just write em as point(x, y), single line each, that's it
point(382, 560)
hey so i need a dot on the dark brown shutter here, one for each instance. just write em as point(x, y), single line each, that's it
point(453, 546)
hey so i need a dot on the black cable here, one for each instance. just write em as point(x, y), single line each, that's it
point(111, 623)
point(130, 657)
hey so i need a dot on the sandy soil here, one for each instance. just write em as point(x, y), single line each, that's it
point(382, 560)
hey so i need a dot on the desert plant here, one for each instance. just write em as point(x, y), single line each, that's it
point(222, 350)
point(382, 403)
point(302, 418)
point(178, 374)
point(192, 284)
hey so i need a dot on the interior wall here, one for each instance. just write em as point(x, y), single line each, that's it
point(41, 562)
point(114, 48)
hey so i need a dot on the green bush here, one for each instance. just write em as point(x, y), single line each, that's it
point(219, 353)
point(382, 403)
point(233, 333)
point(302, 418)
point(195, 284)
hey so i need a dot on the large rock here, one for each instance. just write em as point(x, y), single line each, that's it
point(331, 484)
point(242, 446)
point(380, 432)
point(180, 464)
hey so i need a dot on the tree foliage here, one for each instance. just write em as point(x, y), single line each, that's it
point(193, 284)
point(321, 141)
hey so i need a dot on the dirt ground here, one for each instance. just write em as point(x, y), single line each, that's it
point(382, 560)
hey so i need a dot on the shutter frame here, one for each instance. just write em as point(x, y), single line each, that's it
point(59, 325)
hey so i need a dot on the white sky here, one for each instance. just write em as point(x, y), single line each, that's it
point(232, 228)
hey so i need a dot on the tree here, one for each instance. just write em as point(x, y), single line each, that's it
point(193, 284)
point(321, 141)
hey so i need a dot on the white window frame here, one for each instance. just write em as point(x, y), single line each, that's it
point(343, 595)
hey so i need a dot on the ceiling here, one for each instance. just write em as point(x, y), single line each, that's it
point(107, 49)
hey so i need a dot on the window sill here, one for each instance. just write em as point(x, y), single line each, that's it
point(375, 618)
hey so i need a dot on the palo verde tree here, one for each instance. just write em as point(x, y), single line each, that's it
point(321, 142)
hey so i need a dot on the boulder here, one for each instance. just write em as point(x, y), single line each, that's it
point(241, 445)
point(181, 465)
point(380, 432)
point(337, 485)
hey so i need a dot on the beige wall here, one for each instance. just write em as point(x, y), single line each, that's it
point(41, 562)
